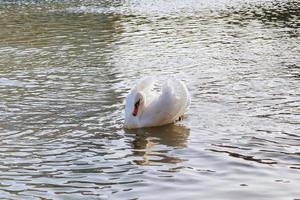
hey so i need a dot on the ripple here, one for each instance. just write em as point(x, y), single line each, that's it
point(66, 67)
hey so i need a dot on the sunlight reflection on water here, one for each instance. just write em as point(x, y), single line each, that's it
point(66, 67)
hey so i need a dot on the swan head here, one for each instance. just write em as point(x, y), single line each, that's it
point(135, 103)
point(138, 104)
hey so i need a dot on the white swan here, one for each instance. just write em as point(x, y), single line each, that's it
point(146, 107)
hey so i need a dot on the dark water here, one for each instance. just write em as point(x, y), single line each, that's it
point(66, 66)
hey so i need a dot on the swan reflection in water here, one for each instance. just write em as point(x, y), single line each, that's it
point(153, 145)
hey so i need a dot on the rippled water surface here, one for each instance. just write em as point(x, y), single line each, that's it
point(66, 66)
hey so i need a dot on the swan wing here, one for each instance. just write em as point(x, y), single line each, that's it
point(174, 99)
point(146, 84)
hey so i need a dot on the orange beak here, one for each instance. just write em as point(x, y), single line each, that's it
point(135, 110)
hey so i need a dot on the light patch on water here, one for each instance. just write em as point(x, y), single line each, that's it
point(66, 67)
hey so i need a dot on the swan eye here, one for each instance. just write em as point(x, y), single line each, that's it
point(137, 103)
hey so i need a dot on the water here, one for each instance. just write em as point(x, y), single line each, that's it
point(66, 66)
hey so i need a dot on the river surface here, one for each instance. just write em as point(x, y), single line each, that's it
point(66, 67)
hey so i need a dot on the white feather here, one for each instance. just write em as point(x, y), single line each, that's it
point(157, 107)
